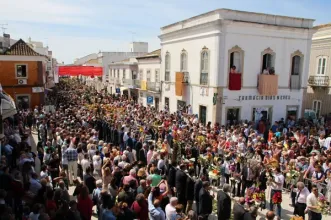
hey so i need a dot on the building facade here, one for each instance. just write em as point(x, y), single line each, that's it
point(150, 79)
point(318, 93)
point(197, 54)
point(23, 74)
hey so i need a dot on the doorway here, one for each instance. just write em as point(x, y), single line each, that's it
point(180, 105)
point(157, 101)
point(203, 114)
point(292, 112)
point(233, 116)
point(262, 113)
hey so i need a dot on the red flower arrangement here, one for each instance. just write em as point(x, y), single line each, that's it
point(277, 198)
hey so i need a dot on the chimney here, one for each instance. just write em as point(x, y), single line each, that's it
point(6, 41)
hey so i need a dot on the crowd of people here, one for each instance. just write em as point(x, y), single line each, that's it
point(134, 162)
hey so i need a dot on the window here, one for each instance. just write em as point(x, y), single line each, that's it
point(267, 61)
point(167, 67)
point(23, 101)
point(183, 61)
point(148, 75)
point(118, 73)
point(317, 106)
point(296, 60)
point(124, 76)
point(157, 75)
point(321, 68)
point(204, 68)
point(141, 74)
point(21, 71)
point(166, 103)
point(235, 60)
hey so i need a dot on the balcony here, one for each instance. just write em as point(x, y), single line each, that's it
point(136, 83)
point(295, 82)
point(268, 84)
point(318, 81)
point(153, 86)
point(128, 82)
point(234, 81)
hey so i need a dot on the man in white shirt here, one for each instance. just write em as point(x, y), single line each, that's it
point(85, 163)
point(170, 208)
point(301, 199)
point(277, 186)
point(314, 213)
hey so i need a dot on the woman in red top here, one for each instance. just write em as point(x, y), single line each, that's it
point(85, 204)
point(50, 204)
point(140, 207)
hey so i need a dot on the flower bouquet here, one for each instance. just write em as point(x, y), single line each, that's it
point(214, 173)
point(292, 177)
point(323, 207)
point(296, 218)
point(277, 198)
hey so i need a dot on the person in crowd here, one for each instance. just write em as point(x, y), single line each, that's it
point(314, 212)
point(84, 204)
point(224, 203)
point(205, 201)
point(239, 209)
point(277, 183)
point(302, 193)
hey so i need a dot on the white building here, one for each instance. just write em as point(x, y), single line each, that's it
point(149, 75)
point(205, 46)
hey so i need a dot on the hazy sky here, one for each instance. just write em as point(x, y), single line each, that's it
point(75, 28)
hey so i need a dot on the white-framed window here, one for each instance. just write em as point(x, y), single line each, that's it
point(317, 106)
point(296, 63)
point(183, 61)
point(235, 60)
point(204, 67)
point(23, 101)
point(167, 67)
point(321, 65)
point(148, 75)
point(141, 74)
point(157, 75)
point(21, 70)
point(124, 75)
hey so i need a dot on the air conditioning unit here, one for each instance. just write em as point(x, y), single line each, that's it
point(22, 82)
point(186, 77)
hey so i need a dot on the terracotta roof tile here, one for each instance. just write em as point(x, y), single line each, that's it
point(20, 48)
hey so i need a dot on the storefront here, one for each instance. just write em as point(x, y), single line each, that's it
point(256, 108)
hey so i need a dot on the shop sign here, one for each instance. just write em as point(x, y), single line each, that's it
point(37, 89)
point(118, 90)
point(261, 97)
point(149, 99)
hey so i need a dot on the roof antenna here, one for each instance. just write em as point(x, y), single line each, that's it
point(132, 34)
point(3, 27)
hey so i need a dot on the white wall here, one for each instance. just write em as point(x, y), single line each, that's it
point(139, 47)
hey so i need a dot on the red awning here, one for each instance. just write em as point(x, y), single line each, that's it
point(80, 70)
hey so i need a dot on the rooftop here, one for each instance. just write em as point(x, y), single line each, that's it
point(317, 27)
point(240, 16)
point(20, 48)
point(155, 53)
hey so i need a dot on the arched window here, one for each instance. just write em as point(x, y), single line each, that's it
point(296, 62)
point(167, 67)
point(235, 60)
point(268, 61)
point(183, 61)
point(204, 67)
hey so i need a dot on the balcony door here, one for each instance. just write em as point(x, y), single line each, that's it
point(203, 114)
point(317, 106)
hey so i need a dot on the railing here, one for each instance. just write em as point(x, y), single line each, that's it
point(295, 82)
point(234, 81)
point(318, 81)
point(268, 84)
point(137, 83)
point(128, 82)
point(153, 86)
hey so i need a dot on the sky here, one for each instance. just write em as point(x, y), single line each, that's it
point(75, 28)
